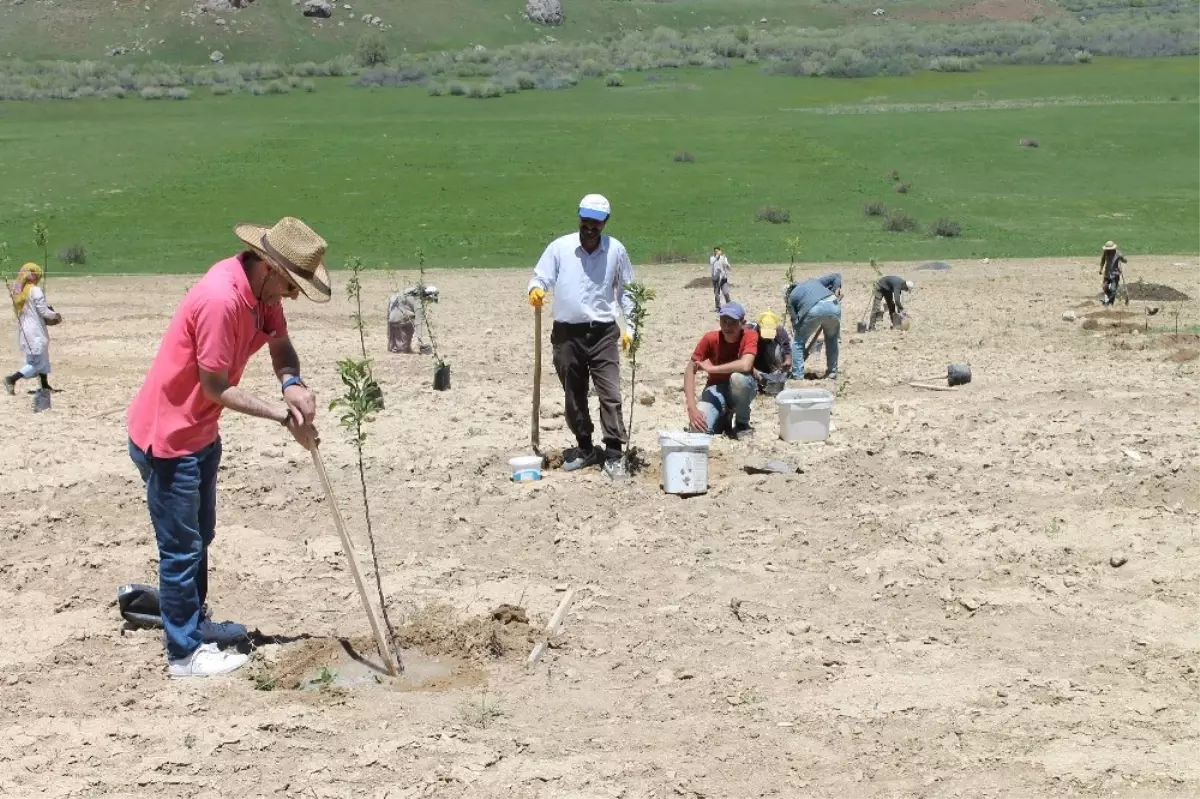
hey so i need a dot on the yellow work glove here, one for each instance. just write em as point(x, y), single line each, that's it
point(626, 340)
point(537, 297)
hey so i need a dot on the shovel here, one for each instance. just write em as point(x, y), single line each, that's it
point(957, 374)
point(385, 651)
point(535, 433)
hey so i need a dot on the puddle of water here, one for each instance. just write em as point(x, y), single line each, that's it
point(421, 673)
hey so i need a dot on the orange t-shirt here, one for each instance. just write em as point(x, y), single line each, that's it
point(715, 348)
point(218, 325)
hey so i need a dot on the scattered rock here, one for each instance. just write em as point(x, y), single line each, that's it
point(646, 398)
point(544, 12)
point(506, 614)
point(216, 56)
point(1069, 316)
point(1117, 560)
point(317, 8)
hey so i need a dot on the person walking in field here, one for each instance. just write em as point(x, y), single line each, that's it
point(589, 272)
point(1110, 269)
point(888, 290)
point(33, 339)
point(720, 271)
point(406, 317)
point(173, 420)
point(816, 304)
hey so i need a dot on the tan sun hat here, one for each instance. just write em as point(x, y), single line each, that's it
point(294, 248)
point(1110, 245)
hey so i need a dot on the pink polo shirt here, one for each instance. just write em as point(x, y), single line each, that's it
point(218, 326)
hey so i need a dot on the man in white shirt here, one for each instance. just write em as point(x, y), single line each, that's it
point(589, 273)
point(720, 268)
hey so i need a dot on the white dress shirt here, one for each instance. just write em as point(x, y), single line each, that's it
point(587, 287)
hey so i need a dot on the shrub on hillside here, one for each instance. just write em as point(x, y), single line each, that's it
point(899, 222)
point(875, 208)
point(1029, 141)
point(774, 215)
point(178, 93)
point(222, 89)
point(388, 76)
point(902, 188)
point(372, 50)
point(945, 228)
point(278, 87)
point(152, 93)
point(436, 90)
point(75, 255)
point(526, 81)
point(614, 80)
point(684, 157)
point(458, 88)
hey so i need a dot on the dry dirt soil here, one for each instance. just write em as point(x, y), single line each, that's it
point(931, 609)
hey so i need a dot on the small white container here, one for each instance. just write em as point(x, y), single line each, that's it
point(684, 461)
point(526, 468)
point(804, 414)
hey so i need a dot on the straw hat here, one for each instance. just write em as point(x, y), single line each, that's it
point(1110, 245)
point(293, 248)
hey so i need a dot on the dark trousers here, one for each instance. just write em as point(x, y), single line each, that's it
point(583, 352)
point(181, 495)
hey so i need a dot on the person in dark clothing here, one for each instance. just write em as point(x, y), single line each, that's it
point(887, 290)
point(1110, 269)
point(774, 350)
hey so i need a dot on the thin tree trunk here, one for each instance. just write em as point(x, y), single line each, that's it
point(362, 481)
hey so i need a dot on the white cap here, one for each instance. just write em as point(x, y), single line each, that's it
point(594, 206)
point(910, 285)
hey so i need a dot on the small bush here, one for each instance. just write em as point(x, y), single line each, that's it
point(257, 89)
point(1083, 57)
point(510, 86)
point(372, 50)
point(742, 34)
point(221, 89)
point(526, 81)
point(946, 228)
point(684, 157)
point(776, 216)
point(436, 90)
point(875, 208)
point(1029, 142)
point(278, 87)
point(614, 80)
point(178, 93)
point(308, 86)
point(458, 89)
point(902, 188)
point(152, 93)
point(893, 175)
point(899, 222)
point(294, 82)
point(75, 255)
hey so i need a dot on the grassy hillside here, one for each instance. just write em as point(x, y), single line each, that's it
point(155, 186)
point(276, 30)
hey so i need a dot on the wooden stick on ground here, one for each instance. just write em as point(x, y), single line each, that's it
point(385, 651)
point(552, 627)
point(931, 387)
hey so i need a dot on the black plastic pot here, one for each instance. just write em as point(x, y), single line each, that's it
point(441, 378)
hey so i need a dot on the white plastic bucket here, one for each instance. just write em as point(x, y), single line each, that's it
point(804, 414)
point(526, 467)
point(684, 461)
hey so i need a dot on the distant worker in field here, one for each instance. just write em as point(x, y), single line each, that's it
point(589, 272)
point(1110, 269)
point(888, 290)
point(33, 339)
point(406, 317)
point(773, 362)
point(814, 305)
point(720, 270)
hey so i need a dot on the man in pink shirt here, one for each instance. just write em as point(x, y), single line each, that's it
point(173, 420)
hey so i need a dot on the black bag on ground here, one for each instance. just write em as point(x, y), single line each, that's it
point(139, 605)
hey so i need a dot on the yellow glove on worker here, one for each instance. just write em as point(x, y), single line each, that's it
point(626, 340)
point(537, 297)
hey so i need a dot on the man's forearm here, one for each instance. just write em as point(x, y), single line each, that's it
point(731, 368)
point(689, 385)
point(286, 362)
point(238, 399)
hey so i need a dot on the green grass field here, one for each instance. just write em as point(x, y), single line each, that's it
point(156, 186)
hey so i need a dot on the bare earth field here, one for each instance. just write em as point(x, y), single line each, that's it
point(930, 609)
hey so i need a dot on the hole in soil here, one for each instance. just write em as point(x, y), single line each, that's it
point(438, 651)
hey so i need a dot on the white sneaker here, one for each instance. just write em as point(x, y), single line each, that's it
point(207, 661)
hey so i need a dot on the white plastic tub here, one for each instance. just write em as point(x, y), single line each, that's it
point(684, 461)
point(526, 467)
point(804, 414)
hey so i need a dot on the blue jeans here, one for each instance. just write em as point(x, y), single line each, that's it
point(734, 395)
point(181, 494)
point(827, 315)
